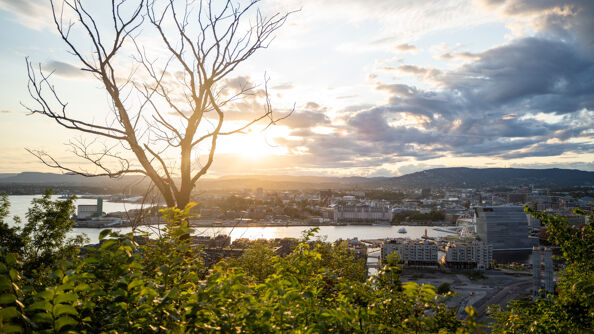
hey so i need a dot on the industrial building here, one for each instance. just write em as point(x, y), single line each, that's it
point(90, 211)
point(507, 229)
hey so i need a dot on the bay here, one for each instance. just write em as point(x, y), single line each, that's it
point(20, 204)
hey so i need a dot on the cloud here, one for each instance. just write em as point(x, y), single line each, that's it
point(305, 119)
point(406, 47)
point(532, 97)
point(64, 70)
point(530, 74)
point(400, 22)
point(29, 13)
point(6, 111)
point(285, 85)
point(459, 55)
point(558, 18)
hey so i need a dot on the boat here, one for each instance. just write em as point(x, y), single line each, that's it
point(402, 230)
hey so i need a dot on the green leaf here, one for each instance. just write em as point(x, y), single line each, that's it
point(104, 233)
point(107, 244)
point(10, 259)
point(40, 305)
point(5, 283)
point(148, 291)
point(14, 275)
point(61, 309)
point(82, 287)
point(135, 283)
point(44, 318)
point(46, 295)
point(66, 297)
point(58, 273)
point(9, 313)
point(7, 298)
point(65, 321)
point(10, 328)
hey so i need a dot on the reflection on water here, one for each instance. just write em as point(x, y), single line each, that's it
point(329, 233)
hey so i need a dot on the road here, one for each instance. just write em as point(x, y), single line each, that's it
point(503, 296)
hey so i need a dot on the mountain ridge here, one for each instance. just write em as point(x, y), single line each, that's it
point(455, 177)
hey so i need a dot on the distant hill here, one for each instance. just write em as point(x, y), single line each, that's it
point(35, 183)
point(461, 177)
point(64, 179)
point(458, 177)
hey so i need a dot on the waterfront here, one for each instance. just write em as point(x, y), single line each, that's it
point(19, 205)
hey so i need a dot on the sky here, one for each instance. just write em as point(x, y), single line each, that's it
point(378, 88)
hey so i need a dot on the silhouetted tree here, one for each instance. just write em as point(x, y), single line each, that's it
point(173, 99)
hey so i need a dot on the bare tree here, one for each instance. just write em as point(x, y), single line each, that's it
point(171, 100)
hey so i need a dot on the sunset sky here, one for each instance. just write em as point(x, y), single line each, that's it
point(380, 88)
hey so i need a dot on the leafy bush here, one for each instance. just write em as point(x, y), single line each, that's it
point(162, 285)
point(571, 310)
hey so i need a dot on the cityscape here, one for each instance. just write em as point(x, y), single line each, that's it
point(297, 166)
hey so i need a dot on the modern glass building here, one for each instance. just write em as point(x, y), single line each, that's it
point(506, 229)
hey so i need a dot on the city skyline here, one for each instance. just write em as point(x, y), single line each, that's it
point(380, 88)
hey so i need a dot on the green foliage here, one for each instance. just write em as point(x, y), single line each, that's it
point(42, 241)
point(385, 195)
point(417, 216)
point(444, 288)
point(572, 309)
point(10, 239)
point(125, 285)
point(235, 203)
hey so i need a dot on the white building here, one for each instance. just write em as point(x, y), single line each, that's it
point(412, 252)
point(475, 255)
point(362, 214)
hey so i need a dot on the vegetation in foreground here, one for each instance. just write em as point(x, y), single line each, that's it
point(50, 283)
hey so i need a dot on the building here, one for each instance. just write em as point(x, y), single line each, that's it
point(507, 229)
point(362, 214)
point(90, 211)
point(475, 255)
point(540, 255)
point(423, 253)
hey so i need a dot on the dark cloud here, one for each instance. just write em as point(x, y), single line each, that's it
point(558, 18)
point(528, 98)
point(530, 74)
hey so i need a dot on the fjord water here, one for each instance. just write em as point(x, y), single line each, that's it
point(20, 204)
